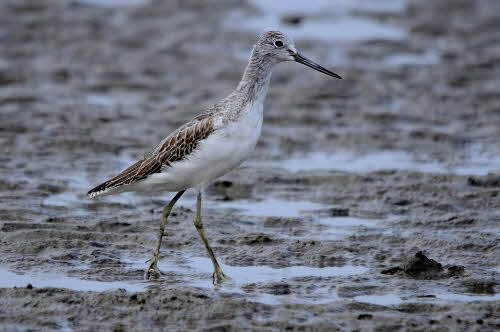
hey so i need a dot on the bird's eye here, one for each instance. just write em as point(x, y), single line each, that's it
point(278, 43)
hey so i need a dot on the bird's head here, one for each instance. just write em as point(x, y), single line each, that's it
point(277, 47)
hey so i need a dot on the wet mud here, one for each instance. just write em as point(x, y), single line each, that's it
point(370, 203)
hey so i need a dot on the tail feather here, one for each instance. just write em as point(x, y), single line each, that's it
point(99, 190)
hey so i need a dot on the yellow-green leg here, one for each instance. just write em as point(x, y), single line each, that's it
point(153, 261)
point(218, 276)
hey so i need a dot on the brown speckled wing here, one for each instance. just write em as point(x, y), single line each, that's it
point(175, 147)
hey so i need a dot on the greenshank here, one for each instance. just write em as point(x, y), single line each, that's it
point(210, 145)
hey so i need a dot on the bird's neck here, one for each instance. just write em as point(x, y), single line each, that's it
point(255, 80)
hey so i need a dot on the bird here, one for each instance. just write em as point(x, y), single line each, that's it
point(212, 144)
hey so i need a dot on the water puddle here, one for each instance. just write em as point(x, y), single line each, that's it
point(114, 3)
point(338, 228)
point(245, 280)
point(387, 160)
point(341, 23)
point(271, 207)
point(197, 271)
point(431, 57)
point(467, 297)
point(243, 275)
point(393, 299)
point(112, 99)
point(10, 279)
point(314, 225)
point(389, 299)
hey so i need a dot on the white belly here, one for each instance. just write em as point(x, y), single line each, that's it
point(221, 152)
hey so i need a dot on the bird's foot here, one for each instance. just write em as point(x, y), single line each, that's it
point(218, 277)
point(152, 271)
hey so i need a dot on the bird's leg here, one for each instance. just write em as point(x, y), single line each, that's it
point(218, 276)
point(153, 261)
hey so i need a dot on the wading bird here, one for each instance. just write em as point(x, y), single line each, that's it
point(209, 146)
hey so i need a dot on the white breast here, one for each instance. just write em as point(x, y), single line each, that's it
point(231, 145)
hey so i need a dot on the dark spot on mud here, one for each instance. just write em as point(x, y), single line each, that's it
point(325, 260)
point(225, 184)
point(51, 188)
point(29, 286)
point(227, 241)
point(339, 212)
point(228, 190)
point(282, 222)
point(392, 270)
point(455, 270)
point(484, 181)
point(401, 202)
point(420, 264)
point(430, 296)
point(365, 316)
point(275, 288)
point(54, 219)
point(135, 299)
point(19, 99)
point(421, 267)
point(286, 180)
point(479, 286)
point(256, 239)
point(292, 19)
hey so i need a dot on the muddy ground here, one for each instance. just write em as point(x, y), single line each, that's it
point(85, 89)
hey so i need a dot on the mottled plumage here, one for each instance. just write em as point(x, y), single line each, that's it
point(176, 147)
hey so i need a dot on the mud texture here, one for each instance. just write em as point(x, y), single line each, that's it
point(86, 89)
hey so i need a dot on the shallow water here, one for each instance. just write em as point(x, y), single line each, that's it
point(197, 271)
point(242, 275)
point(342, 26)
point(430, 57)
point(11, 279)
point(387, 160)
point(271, 207)
point(394, 299)
point(316, 226)
point(114, 3)
point(110, 100)
point(338, 228)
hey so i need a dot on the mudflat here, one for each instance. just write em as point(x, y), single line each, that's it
point(370, 203)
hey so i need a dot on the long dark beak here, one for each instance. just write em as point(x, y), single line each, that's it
point(305, 61)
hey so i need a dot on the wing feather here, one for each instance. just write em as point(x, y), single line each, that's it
point(177, 146)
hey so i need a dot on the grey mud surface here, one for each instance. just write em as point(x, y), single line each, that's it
point(86, 89)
